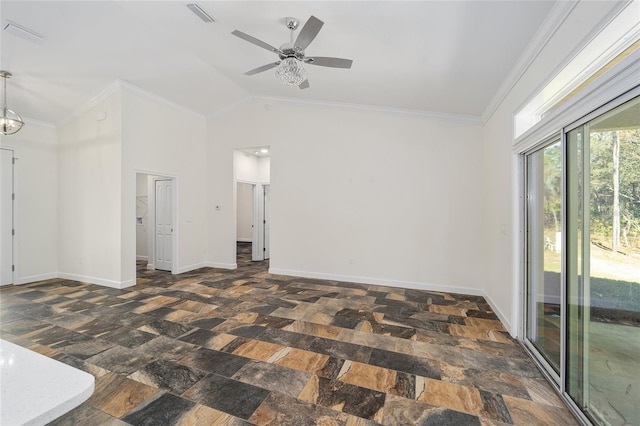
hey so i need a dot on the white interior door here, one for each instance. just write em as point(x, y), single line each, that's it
point(257, 247)
point(164, 225)
point(6, 217)
point(244, 216)
point(267, 220)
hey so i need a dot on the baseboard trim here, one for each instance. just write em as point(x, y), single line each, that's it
point(193, 267)
point(222, 265)
point(97, 281)
point(190, 268)
point(400, 284)
point(501, 316)
point(379, 281)
point(35, 278)
point(142, 258)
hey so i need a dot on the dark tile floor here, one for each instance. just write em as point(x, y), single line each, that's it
point(246, 347)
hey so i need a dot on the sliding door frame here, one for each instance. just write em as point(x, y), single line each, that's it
point(559, 381)
point(546, 367)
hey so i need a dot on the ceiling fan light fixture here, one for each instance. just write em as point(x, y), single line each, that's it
point(10, 122)
point(291, 72)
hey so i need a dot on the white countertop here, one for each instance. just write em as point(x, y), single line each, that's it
point(35, 390)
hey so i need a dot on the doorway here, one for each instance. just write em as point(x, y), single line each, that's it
point(156, 232)
point(582, 308)
point(6, 216)
point(253, 200)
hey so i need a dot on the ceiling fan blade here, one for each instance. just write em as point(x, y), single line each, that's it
point(262, 68)
point(329, 62)
point(255, 41)
point(308, 32)
point(304, 84)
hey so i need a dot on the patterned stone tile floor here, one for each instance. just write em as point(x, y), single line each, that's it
point(246, 347)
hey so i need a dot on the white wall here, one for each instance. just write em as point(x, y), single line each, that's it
point(89, 197)
point(153, 143)
point(246, 166)
point(142, 212)
point(263, 173)
point(36, 208)
point(97, 164)
point(502, 230)
point(366, 196)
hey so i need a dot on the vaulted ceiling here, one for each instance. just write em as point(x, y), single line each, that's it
point(444, 57)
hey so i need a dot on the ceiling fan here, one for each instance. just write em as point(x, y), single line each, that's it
point(292, 54)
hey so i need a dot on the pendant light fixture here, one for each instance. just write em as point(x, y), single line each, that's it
point(10, 122)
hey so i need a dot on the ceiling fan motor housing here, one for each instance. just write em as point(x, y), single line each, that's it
point(289, 50)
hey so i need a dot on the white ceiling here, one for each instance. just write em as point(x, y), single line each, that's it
point(448, 57)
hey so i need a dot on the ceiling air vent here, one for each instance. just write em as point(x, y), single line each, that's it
point(23, 32)
point(200, 12)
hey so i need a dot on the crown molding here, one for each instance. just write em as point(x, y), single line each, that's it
point(552, 23)
point(556, 18)
point(114, 87)
point(469, 119)
point(34, 122)
point(152, 96)
point(589, 70)
point(231, 106)
point(105, 93)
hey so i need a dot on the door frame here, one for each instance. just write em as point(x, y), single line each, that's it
point(547, 369)
point(257, 227)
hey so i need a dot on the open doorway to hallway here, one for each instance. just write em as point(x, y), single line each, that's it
point(252, 186)
point(244, 258)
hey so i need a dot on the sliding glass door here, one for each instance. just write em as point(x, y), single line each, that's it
point(544, 230)
point(603, 264)
point(583, 257)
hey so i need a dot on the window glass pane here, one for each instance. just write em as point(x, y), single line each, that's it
point(544, 223)
point(614, 227)
point(603, 265)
